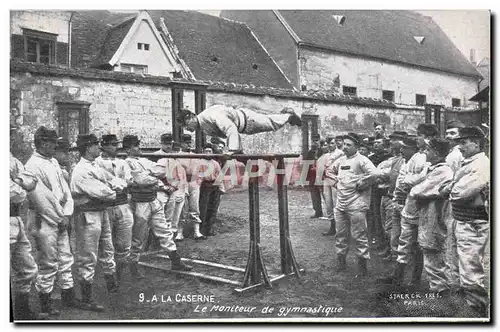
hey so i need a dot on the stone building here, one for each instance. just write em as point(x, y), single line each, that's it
point(129, 73)
point(400, 56)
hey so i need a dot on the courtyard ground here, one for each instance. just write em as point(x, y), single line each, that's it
point(320, 288)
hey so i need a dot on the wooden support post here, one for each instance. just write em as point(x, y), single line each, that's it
point(288, 262)
point(255, 273)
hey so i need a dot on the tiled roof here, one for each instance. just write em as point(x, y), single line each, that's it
point(220, 50)
point(383, 34)
point(483, 67)
point(96, 35)
point(113, 40)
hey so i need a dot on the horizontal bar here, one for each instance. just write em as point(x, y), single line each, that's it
point(196, 261)
point(273, 279)
point(241, 157)
point(193, 274)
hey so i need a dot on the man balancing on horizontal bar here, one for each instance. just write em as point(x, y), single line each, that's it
point(228, 122)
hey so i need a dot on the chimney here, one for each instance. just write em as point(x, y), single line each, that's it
point(473, 56)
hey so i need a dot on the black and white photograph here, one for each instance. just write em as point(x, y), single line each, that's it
point(250, 165)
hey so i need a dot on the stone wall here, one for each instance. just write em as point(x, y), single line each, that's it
point(124, 104)
point(330, 71)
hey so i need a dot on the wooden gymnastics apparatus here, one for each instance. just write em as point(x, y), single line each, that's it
point(255, 274)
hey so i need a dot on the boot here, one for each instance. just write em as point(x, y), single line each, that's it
point(120, 269)
point(418, 266)
point(363, 270)
point(177, 264)
point(341, 263)
point(22, 308)
point(46, 308)
point(197, 234)
point(68, 298)
point(397, 276)
point(332, 231)
point(135, 271)
point(87, 301)
point(179, 235)
point(111, 283)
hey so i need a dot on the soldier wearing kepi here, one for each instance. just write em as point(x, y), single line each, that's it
point(314, 189)
point(62, 157)
point(166, 141)
point(93, 190)
point(432, 214)
point(412, 174)
point(53, 205)
point(173, 197)
point(454, 160)
point(400, 192)
point(192, 203)
point(120, 215)
point(354, 173)
point(469, 194)
point(228, 122)
point(148, 210)
point(326, 175)
point(386, 183)
point(22, 264)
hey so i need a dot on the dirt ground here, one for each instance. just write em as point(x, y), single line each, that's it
point(320, 293)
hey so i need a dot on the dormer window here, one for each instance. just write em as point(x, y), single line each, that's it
point(142, 46)
point(349, 90)
point(339, 18)
point(39, 46)
point(419, 39)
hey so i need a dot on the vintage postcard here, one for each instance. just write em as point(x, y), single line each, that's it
point(250, 166)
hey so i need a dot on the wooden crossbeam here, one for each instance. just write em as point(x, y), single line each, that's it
point(193, 274)
point(262, 284)
point(212, 264)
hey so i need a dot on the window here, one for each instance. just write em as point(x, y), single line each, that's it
point(39, 46)
point(455, 102)
point(73, 118)
point(132, 68)
point(142, 46)
point(388, 95)
point(349, 90)
point(420, 100)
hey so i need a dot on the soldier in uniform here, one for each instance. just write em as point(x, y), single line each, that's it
point(454, 160)
point(355, 174)
point(93, 190)
point(432, 214)
point(175, 196)
point(148, 209)
point(22, 264)
point(53, 205)
point(411, 175)
point(210, 193)
point(166, 143)
point(385, 183)
point(327, 175)
point(469, 195)
point(399, 194)
point(62, 156)
point(192, 205)
point(119, 212)
point(228, 122)
point(379, 130)
point(314, 189)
